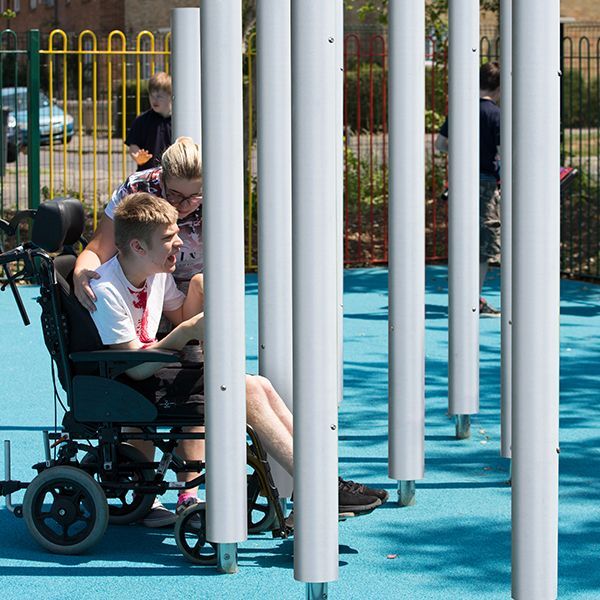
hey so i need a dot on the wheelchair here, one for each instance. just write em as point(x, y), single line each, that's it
point(91, 475)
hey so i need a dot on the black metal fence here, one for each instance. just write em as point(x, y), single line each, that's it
point(580, 148)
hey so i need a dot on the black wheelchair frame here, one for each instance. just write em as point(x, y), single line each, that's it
point(70, 502)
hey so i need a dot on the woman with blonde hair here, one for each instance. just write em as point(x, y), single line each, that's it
point(179, 181)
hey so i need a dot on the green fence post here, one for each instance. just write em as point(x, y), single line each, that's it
point(33, 118)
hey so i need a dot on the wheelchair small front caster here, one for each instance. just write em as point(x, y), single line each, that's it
point(65, 510)
point(190, 535)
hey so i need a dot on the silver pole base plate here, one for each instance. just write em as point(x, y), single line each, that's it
point(316, 591)
point(406, 493)
point(463, 427)
point(227, 558)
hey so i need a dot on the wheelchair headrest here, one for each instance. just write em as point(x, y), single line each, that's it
point(58, 223)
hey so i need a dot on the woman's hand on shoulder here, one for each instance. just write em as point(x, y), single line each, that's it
point(83, 289)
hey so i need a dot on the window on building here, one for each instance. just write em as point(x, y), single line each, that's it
point(17, 5)
point(32, 4)
point(145, 60)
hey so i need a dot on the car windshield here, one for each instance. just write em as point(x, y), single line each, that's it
point(8, 99)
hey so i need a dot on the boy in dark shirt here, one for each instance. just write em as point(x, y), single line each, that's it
point(489, 173)
point(150, 133)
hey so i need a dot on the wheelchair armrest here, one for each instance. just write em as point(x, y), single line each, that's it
point(133, 357)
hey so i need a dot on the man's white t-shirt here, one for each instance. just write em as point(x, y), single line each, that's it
point(124, 312)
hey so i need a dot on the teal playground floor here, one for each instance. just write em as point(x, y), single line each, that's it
point(454, 544)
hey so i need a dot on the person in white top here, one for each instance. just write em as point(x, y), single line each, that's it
point(178, 180)
point(135, 287)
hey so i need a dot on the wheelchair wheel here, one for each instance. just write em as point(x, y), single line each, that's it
point(261, 513)
point(124, 507)
point(65, 510)
point(190, 535)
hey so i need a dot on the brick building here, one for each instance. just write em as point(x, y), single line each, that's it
point(154, 15)
point(99, 15)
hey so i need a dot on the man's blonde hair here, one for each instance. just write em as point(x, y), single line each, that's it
point(160, 82)
point(138, 216)
point(181, 160)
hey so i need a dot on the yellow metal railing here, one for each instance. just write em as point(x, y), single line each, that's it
point(83, 74)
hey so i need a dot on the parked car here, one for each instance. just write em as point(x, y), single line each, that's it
point(16, 133)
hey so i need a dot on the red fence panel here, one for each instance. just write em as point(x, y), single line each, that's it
point(366, 151)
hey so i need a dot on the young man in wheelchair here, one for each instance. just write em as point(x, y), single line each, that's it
point(135, 288)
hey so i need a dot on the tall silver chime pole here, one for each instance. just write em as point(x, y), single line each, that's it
point(315, 293)
point(536, 298)
point(273, 37)
point(339, 36)
point(406, 246)
point(225, 389)
point(185, 70)
point(506, 231)
point(463, 217)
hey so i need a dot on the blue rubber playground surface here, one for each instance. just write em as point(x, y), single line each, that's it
point(454, 544)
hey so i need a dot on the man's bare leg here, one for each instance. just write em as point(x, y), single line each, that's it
point(274, 433)
point(277, 404)
point(191, 450)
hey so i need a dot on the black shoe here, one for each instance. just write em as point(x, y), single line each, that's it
point(486, 310)
point(361, 488)
point(352, 502)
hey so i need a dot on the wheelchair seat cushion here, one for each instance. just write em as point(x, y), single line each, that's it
point(176, 390)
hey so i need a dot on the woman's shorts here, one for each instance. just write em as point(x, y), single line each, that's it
point(176, 390)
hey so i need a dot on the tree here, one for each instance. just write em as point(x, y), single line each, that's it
point(8, 14)
point(436, 12)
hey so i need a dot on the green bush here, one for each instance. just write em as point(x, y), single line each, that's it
point(363, 91)
point(580, 100)
point(370, 87)
point(433, 121)
point(436, 97)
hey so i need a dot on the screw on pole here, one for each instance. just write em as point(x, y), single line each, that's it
point(227, 558)
point(406, 493)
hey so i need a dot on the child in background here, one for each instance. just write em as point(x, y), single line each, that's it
point(150, 132)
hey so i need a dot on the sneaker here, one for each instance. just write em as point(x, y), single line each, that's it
point(189, 501)
point(366, 491)
point(196, 521)
point(159, 516)
point(353, 502)
point(486, 310)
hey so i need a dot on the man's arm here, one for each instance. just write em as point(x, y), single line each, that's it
point(186, 331)
point(193, 303)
